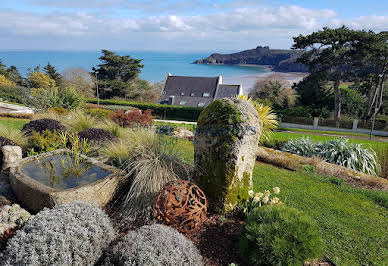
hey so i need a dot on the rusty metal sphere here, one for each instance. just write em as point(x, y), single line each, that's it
point(182, 205)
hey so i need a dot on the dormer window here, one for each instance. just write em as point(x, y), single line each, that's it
point(192, 94)
point(206, 94)
point(164, 92)
point(182, 94)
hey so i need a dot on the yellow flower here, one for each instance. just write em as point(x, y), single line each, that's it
point(275, 200)
point(267, 193)
point(266, 199)
point(280, 203)
point(276, 190)
point(256, 199)
point(251, 193)
point(259, 194)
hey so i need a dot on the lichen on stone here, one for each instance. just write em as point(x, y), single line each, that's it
point(225, 145)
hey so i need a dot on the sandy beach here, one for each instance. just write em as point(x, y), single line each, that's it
point(248, 82)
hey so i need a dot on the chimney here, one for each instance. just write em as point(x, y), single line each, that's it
point(219, 80)
point(171, 100)
point(240, 90)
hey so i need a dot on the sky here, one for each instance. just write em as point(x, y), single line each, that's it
point(171, 25)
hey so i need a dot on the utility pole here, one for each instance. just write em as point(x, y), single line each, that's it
point(97, 92)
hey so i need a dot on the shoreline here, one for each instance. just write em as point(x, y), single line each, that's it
point(248, 81)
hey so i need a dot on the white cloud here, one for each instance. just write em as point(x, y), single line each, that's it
point(228, 29)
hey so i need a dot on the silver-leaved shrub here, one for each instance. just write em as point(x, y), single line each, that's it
point(71, 234)
point(153, 245)
point(338, 151)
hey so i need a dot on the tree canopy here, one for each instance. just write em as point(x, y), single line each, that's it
point(115, 73)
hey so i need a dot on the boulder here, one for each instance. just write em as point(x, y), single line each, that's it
point(11, 156)
point(225, 146)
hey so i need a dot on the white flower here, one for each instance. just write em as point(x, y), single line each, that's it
point(275, 200)
point(256, 199)
point(259, 194)
point(267, 193)
point(276, 190)
point(266, 199)
point(251, 193)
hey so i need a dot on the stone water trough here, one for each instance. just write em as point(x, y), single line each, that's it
point(41, 181)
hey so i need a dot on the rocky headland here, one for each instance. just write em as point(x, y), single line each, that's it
point(278, 60)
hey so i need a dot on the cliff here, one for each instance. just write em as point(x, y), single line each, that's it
point(279, 60)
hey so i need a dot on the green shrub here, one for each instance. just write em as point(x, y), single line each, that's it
point(99, 113)
point(279, 235)
point(161, 110)
point(44, 142)
point(14, 94)
point(70, 98)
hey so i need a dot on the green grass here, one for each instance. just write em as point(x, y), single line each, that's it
point(175, 125)
point(352, 222)
point(13, 122)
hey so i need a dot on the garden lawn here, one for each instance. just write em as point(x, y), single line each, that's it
point(352, 222)
point(16, 123)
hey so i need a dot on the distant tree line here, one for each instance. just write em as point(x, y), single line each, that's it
point(117, 77)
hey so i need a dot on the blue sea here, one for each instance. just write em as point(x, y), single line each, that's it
point(156, 64)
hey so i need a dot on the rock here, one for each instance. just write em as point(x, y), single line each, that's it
point(11, 156)
point(4, 201)
point(184, 134)
point(225, 146)
point(12, 216)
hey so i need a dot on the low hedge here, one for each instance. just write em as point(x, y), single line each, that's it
point(162, 110)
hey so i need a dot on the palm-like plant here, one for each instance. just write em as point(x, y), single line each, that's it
point(268, 117)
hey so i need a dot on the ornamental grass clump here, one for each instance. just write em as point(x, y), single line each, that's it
point(71, 234)
point(153, 245)
point(337, 151)
point(150, 163)
point(279, 235)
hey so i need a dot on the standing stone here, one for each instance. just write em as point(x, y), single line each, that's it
point(225, 147)
point(11, 156)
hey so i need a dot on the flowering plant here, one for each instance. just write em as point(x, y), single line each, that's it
point(258, 199)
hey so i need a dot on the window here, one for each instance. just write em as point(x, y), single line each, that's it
point(182, 103)
point(182, 94)
point(192, 94)
point(206, 94)
point(164, 92)
point(201, 104)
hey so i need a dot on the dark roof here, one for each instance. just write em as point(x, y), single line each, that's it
point(227, 91)
point(176, 85)
point(188, 101)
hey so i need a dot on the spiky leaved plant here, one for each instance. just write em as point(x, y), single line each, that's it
point(268, 117)
point(13, 134)
point(338, 151)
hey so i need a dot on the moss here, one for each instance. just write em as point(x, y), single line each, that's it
point(239, 190)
